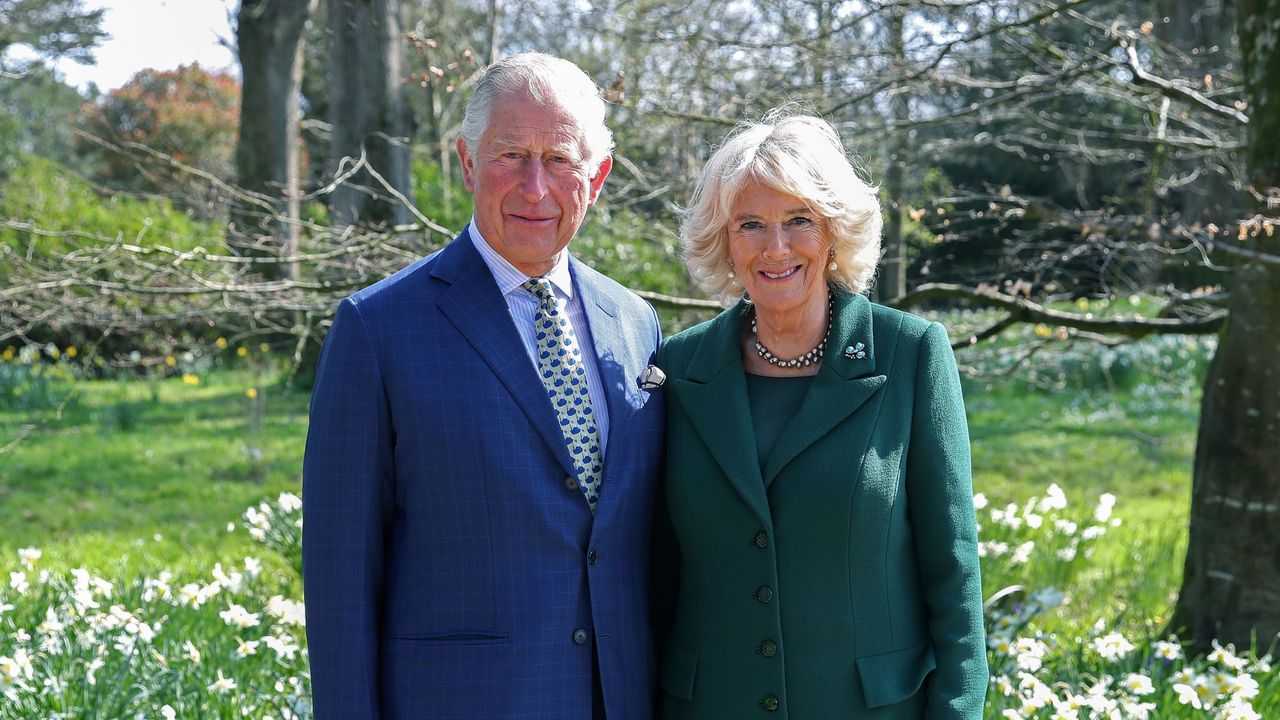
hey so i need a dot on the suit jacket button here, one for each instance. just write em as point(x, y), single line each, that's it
point(762, 540)
point(768, 648)
point(769, 703)
point(591, 556)
point(579, 637)
point(571, 483)
point(764, 594)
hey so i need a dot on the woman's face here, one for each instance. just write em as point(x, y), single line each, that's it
point(779, 249)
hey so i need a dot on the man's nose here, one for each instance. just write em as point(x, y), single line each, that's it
point(533, 185)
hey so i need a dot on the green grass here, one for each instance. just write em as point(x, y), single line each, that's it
point(127, 461)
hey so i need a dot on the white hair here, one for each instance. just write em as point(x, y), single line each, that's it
point(799, 155)
point(546, 79)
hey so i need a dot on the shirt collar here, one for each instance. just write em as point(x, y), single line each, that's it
point(508, 277)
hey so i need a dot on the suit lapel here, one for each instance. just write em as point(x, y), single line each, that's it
point(842, 385)
point(715, 398)
point(608, 341)
point(479, 312)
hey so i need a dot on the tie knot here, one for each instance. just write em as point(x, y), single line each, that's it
point(541, 289)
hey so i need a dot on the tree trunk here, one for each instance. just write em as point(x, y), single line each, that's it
point(369, 110)
point(494, 26)
point(893, 264)
point(1231, 582)
point(269, 40)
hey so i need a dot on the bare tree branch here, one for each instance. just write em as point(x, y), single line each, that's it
point(1032, 312)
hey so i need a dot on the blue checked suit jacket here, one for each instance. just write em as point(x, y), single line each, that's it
point(448, 564)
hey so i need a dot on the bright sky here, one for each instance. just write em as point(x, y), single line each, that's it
point(160, 34)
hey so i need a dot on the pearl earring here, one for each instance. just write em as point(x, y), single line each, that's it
point(832, 267)
point(731, 270)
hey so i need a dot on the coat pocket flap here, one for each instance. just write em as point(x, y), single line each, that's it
point(679, 666)
point(892, 677)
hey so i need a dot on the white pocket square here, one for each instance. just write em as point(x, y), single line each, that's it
point(652, 378)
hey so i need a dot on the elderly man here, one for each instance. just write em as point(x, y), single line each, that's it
point(482, 455)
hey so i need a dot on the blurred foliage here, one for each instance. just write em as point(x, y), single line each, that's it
point(189, 114)
point(69, 213)
point(35, 118)
point(50, 29)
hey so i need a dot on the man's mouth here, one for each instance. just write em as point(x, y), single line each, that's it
point(531, 219)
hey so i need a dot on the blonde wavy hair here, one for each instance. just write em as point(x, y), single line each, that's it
point(796, 154)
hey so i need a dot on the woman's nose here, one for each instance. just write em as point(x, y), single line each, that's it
point(777, 244)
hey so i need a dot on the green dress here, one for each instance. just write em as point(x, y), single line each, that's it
point(838, 578)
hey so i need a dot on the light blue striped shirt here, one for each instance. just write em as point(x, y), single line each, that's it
point(523, 305)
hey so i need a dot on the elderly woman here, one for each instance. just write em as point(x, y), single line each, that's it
point(818, 541)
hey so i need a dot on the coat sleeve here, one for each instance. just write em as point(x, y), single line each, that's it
point(941, 500)
point(348, 476)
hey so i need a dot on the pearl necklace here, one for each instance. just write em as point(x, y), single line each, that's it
point(810, 358)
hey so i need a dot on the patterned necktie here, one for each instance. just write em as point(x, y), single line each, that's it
point(560, 365)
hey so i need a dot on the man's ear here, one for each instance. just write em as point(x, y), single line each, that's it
point(468, 169)
point(597, 182)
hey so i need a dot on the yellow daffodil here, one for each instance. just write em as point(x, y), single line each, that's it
point(190, 379)
point(221, 343)
point(170, 360)
point(242, 351)
point(251, 393)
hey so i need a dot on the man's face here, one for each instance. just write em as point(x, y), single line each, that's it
point(530, 180)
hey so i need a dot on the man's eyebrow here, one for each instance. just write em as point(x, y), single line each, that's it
point(569, 149)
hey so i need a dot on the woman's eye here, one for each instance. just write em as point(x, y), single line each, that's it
point(750, 225)
point(801, 221)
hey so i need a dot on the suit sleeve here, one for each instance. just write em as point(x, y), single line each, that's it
point(348, 476)
point(941, 500)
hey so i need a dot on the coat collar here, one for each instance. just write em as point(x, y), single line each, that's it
point(715, 395)
point(850, 328)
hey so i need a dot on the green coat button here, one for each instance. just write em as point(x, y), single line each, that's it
point(769, 703)
point(764, 594)
point(762, 540)
point(768, 648)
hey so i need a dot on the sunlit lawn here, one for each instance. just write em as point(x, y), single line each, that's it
point(149, 471)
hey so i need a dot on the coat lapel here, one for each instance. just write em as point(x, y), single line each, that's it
point(479, 312)
point(714, 396)
point(842, 385)
point(608, 341)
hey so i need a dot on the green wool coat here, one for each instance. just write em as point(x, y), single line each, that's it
point(842, 581)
